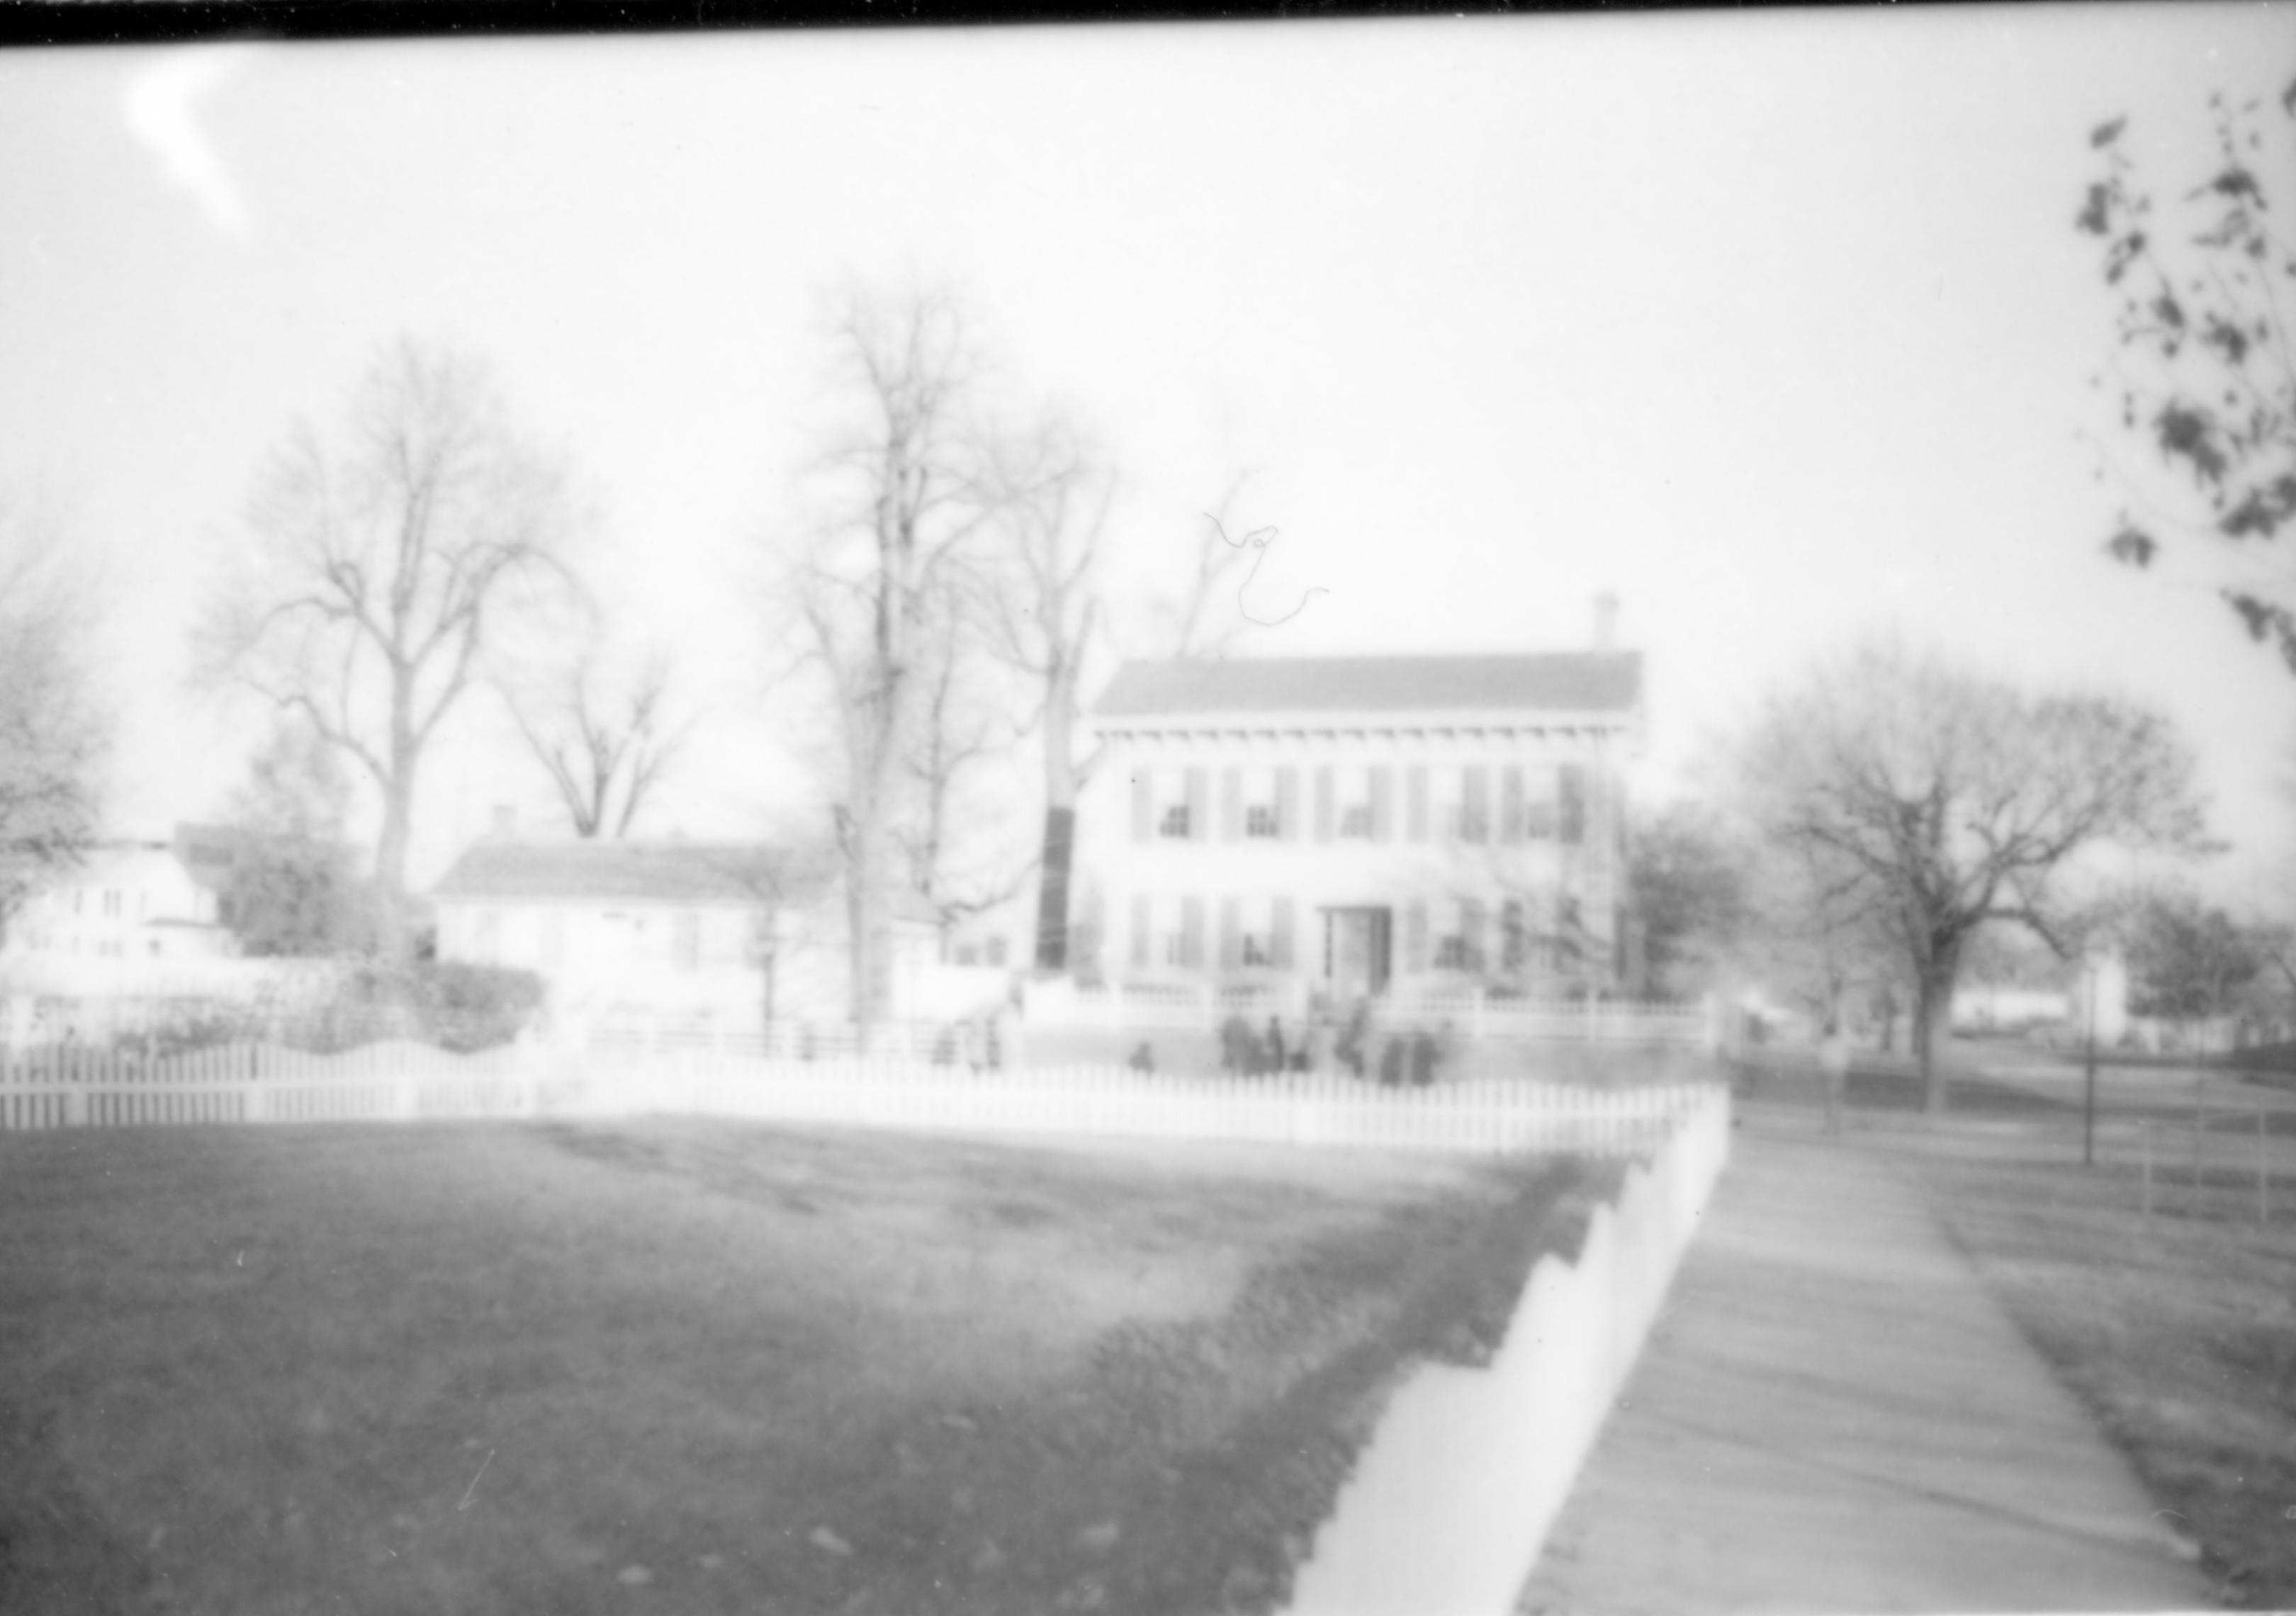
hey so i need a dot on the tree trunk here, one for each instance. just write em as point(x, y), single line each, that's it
point(1060, 824)
point(1932, 1031)
point(1052, 891)
point(863, 876)
point(391, 861)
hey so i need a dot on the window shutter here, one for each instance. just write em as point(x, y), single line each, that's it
point(1511, 803)
point(1415, 935)
point(1476, 810)
point(1144, 805)
point(1231, 804)
point(1280, 944)
point(1382, 803)
point(1287, 804)
point(1471, 932)
point(1415, 786)
point(1191, 933)
point(1140, 932)
point(1231, 953)
point(1083, 935)
point(1200, 793)
point(1323, 803)
point(1574, 802)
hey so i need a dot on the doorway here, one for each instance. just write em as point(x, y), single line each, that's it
point(1357, 950)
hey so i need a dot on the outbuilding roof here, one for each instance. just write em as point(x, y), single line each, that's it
point(627, 871)
point(1561, 682)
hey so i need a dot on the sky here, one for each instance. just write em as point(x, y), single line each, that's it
point(1774, 325)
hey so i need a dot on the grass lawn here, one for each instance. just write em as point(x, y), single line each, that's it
point(2178, 1330)
point(703, 1367)
point(1880, 1083)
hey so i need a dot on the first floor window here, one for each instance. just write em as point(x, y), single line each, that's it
point(1460, 945)
point(1168, 931)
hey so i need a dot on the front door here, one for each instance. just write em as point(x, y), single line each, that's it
point(1356, 951)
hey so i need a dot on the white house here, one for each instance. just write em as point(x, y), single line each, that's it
point(127, 901)
point(732, 931)
point(1360, 826)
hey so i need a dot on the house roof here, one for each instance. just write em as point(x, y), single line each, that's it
point(1572, 682)
point(625, 871)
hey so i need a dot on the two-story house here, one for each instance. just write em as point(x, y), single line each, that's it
point(128, 900)
point(1360, 824)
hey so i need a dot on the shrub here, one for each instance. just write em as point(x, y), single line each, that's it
point(454, 1005)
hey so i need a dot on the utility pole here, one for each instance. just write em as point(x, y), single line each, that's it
point(2088, 1104)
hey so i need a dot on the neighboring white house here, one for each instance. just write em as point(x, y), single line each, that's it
point(1360, 824)
point(127, 901)
point(727, 929)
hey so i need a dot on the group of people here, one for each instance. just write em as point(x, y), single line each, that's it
point(1247, 1053)
point(1408, 1057)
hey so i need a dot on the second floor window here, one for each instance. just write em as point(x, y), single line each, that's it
point(1263, 813)
point(1173, 824)
point(1355, 816)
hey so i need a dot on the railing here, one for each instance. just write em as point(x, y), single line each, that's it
point(934, 1043)
point(256, 1085)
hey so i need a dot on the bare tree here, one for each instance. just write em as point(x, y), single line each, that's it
point(382, 565)
point(1687, 891)
point(788, 877)
point(604, 736)
point(961, 727)
point(1204, 618)
point(1044, 614)
point(54, 732)
point(1819, 937)
point(906, 506)
point(1937, 802)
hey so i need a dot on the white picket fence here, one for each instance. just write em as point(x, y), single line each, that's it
point(400, 1081)
point(1451, 1500)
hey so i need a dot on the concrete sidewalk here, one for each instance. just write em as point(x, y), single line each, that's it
point(1835, 1415)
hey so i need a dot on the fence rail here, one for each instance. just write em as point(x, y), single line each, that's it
point(249, 1084)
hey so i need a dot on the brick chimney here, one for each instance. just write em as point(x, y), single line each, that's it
point(1606, 621)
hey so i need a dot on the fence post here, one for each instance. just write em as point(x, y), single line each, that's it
point(2200, 1126)
point(2263, 1179)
